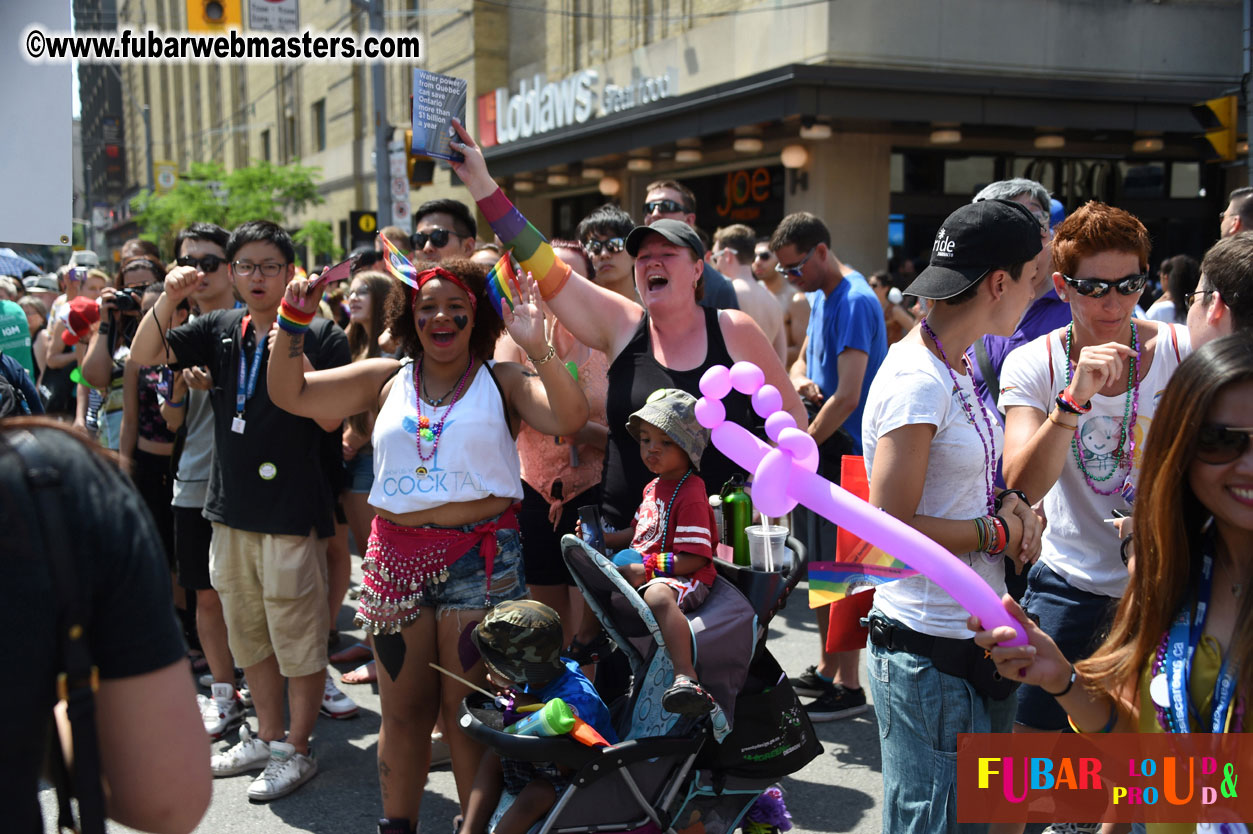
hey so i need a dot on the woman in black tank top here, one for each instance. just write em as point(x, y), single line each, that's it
point(634, 374)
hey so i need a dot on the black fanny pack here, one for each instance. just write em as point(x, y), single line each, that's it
point(959, 658)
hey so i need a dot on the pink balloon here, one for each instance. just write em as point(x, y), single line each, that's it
point(710, 413)
point(801, 447)
point(780, 479)
point(716, 382)
point(767, 400)
point(746, 377)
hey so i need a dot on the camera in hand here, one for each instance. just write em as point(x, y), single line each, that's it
point(128, 300)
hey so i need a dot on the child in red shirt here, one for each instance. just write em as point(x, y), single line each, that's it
point(670, 559)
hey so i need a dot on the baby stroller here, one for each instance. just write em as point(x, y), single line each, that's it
point(672, 773)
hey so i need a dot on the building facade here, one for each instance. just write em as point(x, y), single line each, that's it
point(880, 118)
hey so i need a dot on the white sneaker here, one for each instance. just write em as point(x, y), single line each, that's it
point(286, 771)
point(223, 712)
point(249, 754)
point(336, 704)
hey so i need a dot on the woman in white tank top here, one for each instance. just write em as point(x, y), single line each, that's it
point(445, 538)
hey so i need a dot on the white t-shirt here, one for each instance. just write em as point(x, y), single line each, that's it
point(1162, 311)
point(913, 386)
point(1077, 544)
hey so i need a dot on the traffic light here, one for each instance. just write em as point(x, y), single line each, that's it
point(421, 169)
point(214, 15)
point(1219, 118)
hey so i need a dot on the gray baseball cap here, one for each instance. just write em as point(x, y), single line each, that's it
point(675, 231)
point(674, 412)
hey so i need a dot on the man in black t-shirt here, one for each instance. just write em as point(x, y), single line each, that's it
point(269, 500)
point(149, 731)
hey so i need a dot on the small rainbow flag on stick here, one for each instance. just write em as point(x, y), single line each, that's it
point(396, 264)
point(832, 581)
point(501, 283)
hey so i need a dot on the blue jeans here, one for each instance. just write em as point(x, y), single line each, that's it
point(920, 711)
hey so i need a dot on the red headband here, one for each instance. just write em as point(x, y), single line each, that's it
point(443, 274)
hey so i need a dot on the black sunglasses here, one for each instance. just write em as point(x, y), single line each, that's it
point(664, 207)
point(1099, 287)
point(762, 256)
point(612, 246)
point(1216, 443)
point(207, 264)
point(437, 237)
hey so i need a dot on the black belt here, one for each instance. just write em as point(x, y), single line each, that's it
point(959, 658)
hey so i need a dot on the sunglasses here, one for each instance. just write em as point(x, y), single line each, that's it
point(1099, 287)
point(207, 264)
point(794, 271)
point(1216, 443)
point(612, 246)
point(761, 256)
point(269, 269)
point(664, 207)
point(437, 237)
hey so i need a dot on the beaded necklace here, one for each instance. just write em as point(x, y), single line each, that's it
point(1158, 692)
point(989, 444)
point(665, 513)
point(1126, 434)
point(425, 431)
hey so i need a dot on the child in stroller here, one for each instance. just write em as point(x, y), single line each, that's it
point(520, 642)
point(670, 558)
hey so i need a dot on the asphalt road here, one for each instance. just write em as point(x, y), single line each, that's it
point(841, 790)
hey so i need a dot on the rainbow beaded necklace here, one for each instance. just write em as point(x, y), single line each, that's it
point(1126, 434)
point(425, 431)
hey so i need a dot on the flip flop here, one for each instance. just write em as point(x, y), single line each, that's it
point(355, 653)
point(365, 673)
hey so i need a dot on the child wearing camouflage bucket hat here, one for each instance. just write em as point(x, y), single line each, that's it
point(670, 558)
point(520, 642)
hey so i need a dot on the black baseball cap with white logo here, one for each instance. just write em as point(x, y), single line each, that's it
point(977, 238)
point(675, 231)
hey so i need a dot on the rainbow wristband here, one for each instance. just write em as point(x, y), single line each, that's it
point(293, 320)
point(529, 246)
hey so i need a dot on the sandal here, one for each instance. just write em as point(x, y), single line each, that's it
point(686, 697)
point(355, 653)
point(593, 651)
point(365, 673)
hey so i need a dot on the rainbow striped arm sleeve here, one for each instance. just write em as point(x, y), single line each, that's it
point(528, 245)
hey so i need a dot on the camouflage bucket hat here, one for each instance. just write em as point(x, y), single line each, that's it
point(674, 412)
point(521, 639)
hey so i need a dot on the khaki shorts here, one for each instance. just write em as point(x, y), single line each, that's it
point(273, 591)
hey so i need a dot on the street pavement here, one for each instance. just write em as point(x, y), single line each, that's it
point(841, 790)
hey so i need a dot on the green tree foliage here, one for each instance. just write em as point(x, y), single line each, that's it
point(320, 238)
point(208, 194)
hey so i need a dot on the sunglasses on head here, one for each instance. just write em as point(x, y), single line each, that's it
point(1216, 443)
point(209, 263)
point(663, 207)
point(437, 237)
point(1099, 287)
point(612, 246)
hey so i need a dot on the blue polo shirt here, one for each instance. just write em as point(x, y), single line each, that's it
point(850, 317)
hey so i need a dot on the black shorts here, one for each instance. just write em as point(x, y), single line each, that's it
point(541, 544)
point(152, 477)
point(192, 534)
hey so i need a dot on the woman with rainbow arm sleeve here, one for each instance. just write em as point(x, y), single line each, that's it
point(667, 343)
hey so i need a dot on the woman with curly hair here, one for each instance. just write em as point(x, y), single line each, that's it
point(444, 546)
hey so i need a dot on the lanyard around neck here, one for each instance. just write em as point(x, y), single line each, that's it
point(247, 384)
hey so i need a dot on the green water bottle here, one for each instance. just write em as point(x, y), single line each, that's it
point(737, 514)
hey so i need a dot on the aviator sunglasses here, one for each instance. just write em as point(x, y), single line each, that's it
point(1099, 287)
point(209, 263)
point(612, 246)
point(1217, 444)
point(437, 237)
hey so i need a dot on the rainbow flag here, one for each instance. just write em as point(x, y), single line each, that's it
point(396, 264)
point(833, 581)
point(501, 283)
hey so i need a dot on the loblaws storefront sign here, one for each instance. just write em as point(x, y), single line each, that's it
point(540, 106)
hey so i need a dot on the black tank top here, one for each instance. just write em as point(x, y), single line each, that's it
point(634, 374)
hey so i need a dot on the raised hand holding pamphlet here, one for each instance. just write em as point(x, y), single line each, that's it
point(437, 100)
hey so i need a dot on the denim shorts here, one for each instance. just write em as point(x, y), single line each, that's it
point(1076, 620)
point(466, 585)
point(360, 471)
point(920, 711)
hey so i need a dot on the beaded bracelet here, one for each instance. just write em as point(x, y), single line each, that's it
point(658, 564)
point(293, 320)
point(1109, 725)
point(1067, 403)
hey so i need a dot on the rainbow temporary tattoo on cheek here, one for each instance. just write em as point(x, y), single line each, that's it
point(422, 320)
point(461, 321)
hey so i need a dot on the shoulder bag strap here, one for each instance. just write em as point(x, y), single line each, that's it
point(78, 679)
point(991, 379)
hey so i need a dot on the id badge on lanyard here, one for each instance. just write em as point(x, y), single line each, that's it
point(248, 373)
